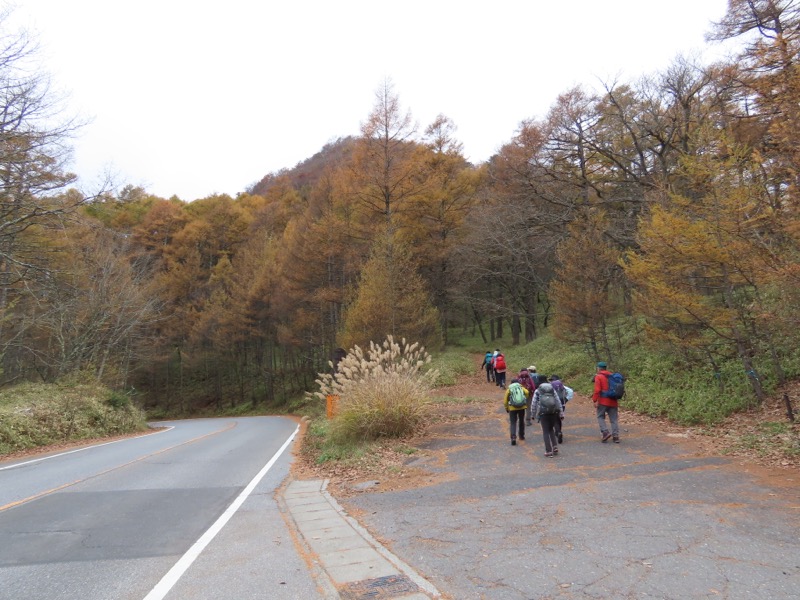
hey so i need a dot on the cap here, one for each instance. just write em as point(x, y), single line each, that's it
point(553, 378)
point(601, 365)
point(531, 368)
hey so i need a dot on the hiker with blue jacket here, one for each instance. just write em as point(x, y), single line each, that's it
point(487, 364)
point(604, 405)
point(546, 406)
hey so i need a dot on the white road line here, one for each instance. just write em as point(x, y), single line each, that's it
point(167, 582)
point(36, 460)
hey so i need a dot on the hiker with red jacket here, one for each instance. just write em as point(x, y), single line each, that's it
point(605, 406)
point(500, 370)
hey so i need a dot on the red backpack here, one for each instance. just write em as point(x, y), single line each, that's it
point(499, 363)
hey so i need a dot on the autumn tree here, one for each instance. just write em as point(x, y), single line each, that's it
point(385, 168)
point(391, 299)
point(33, 179)
point(586, 289)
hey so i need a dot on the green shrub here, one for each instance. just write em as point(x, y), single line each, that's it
point(452, 365)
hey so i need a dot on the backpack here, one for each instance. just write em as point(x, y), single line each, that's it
point(616, 387)
point(487, 360)
point(538, 379)
point(549, 404)
point(499, 363)
point(560, 389)
point(516, 396)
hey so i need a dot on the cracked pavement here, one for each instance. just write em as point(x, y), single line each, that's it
point(647, 518)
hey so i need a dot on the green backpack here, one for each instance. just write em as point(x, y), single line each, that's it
point(549, 403)
point(516, 396)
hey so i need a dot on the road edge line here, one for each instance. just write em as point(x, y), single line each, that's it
point(168, 581)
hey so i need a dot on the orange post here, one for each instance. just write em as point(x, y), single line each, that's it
point(332, 401)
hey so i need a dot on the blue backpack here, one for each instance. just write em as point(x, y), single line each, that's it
point(616, 387)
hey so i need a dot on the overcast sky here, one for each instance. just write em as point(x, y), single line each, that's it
point(191, 98)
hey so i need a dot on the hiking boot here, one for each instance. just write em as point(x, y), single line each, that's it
point(616, 439)
point(513, 442)
point(548, 455)
point(555, 450)
point(522, 437)
point(606, 436)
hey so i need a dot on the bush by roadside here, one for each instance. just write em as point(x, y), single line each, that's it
point(36, 414)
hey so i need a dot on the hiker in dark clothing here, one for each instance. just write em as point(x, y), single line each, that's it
point(561, 391)
point(487, 364)
point(547, 408)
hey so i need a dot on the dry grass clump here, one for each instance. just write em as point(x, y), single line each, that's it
point(382, 393)
point(36, 414)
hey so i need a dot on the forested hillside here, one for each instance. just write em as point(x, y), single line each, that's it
point(660, 211)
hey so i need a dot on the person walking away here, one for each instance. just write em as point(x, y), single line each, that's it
point(525, 380)
point(487, 364)
point(500, 370)
point(515, 400)
point(561, 392)
point(605, 406)
point(547, 408)
point(538, 379)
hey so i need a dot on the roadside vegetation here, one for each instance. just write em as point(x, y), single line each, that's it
point(33, 415)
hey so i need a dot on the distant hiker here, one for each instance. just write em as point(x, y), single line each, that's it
point(564, 394)
point(487, 364)
point(515, 400)
point(538, 378)
point(527, 382)
point(547, 408)
point(500, 370)
point(605, 406)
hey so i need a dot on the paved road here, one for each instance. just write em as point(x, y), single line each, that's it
point(135, 518)
point(643, 519)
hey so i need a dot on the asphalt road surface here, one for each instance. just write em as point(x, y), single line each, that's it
point(188, 512)
point(644, 519)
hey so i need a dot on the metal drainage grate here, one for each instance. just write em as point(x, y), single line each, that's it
point(380, 587)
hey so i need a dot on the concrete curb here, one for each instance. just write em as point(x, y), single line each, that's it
point(352, 564)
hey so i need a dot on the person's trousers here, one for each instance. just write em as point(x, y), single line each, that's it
point(549, 431)
point(500, 378)
point(557, 427)
point(516, 420)
point(489, 374)
point(613, 417)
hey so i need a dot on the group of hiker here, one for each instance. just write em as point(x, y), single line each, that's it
point(531, 395)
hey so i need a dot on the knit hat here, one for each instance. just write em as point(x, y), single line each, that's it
point(601, 365)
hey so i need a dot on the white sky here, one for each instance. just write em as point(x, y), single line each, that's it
point(191, 98)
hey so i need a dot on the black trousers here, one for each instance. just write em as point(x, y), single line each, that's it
point(516, 419)
point(549, 431)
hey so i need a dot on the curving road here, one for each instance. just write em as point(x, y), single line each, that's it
point(187, 512)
